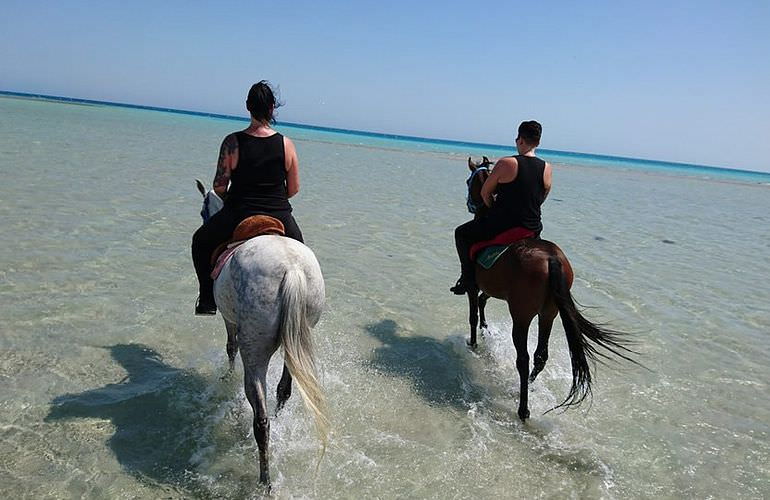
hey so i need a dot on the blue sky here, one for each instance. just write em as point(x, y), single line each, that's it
point(677, 81)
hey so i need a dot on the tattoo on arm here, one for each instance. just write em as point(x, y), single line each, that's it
point(225, 162)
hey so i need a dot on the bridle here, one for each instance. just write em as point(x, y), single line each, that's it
point(473, 207)
point(211, 203)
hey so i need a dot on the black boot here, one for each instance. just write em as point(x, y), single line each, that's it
point(464, 285)
point(459, 288)
point(205, 306)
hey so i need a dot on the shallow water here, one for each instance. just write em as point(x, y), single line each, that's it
point(112, 388)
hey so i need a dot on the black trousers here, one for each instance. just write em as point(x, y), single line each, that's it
point(466, 235)
point(218, 229)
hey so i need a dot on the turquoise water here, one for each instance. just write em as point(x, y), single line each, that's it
point(395, 141)
point(111, 388)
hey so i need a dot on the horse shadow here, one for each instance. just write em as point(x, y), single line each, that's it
point(157, 412)
point(437, 372)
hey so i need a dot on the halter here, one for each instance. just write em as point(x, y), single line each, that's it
point(472, 206)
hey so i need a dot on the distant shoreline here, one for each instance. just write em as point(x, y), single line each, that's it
point(692, 168)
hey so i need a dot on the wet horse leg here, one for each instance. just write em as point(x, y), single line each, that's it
point(473, 314)
point(254, 385)
point(284, 389)
point(483, 297)
point(544, 325)
point(232, 343)
point(519, 334)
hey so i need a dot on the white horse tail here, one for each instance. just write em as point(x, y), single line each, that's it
point(298, 348)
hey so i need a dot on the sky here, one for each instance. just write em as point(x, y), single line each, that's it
point(683, 81)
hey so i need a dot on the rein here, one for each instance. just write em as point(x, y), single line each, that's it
point(473, 207)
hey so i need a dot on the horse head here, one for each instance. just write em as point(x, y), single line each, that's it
point(479, 174)
point(212, 203)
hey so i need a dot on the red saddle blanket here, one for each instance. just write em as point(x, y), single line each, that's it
point(253, 226)
point(505, 238)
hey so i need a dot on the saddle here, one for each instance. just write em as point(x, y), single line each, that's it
point(487, 252)
point(251, 227)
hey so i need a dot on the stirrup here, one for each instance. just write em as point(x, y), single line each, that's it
point(205, 308)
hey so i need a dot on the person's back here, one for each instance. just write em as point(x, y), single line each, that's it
point(258, 182)
point(517, 203)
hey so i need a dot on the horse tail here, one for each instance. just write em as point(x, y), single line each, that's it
point(298, 348)
point(583, 337)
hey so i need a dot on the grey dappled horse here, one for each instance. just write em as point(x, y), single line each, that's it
point(271, 293)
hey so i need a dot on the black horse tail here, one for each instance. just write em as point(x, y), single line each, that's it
point(583, 338)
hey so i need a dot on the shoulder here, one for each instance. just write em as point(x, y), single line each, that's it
point(230, 141)
point(547, 174)
point(288, 144)
point(507, 164)
point(507, 161)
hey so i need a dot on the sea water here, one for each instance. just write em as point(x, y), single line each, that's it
point(111, 388)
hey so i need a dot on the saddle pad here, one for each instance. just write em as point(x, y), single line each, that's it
point(223, 258)
point(505, 238)
point(487, 257)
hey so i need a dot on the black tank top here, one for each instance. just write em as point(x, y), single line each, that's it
point(518, 202)
point(258, 183)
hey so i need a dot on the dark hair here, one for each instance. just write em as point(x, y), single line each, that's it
point(530, 132)
point(261, 102)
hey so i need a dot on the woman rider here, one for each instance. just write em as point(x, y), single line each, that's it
point(521, 183)
point(261, 167)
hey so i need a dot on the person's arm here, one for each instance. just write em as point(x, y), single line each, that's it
point(505, 170)
point(547, 179)
point(292, 167)
point(228, 159)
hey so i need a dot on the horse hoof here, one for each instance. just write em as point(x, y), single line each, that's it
point(471, 344)
point(523, 415)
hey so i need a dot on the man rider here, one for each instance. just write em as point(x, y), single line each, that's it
point(514, 191)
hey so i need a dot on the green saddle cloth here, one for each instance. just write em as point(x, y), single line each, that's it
point(487, 257)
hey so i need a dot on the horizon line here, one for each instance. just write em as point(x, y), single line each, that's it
point(366, 133)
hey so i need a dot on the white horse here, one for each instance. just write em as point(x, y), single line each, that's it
point(271, 293)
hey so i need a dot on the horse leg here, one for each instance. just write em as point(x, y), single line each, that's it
point(473, 314)
point(544, 325)
point(519, 334)
point(254, 385)
point(232, 343)
point(483, 297)
point(284, 389)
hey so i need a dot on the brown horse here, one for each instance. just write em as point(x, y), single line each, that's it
point(534, 277)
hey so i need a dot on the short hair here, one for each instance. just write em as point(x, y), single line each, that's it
point(261, 102)
point(530, 131)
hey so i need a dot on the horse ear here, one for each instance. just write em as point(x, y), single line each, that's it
point(200, 187)
point(472, 165)
point(485, 160)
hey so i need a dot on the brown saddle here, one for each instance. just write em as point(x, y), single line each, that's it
point(251, 227)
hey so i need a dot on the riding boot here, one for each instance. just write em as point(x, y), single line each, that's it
point(206, 306)
point(467, 279)
point(463, 243)
point(465, 283)
point(217, 230)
